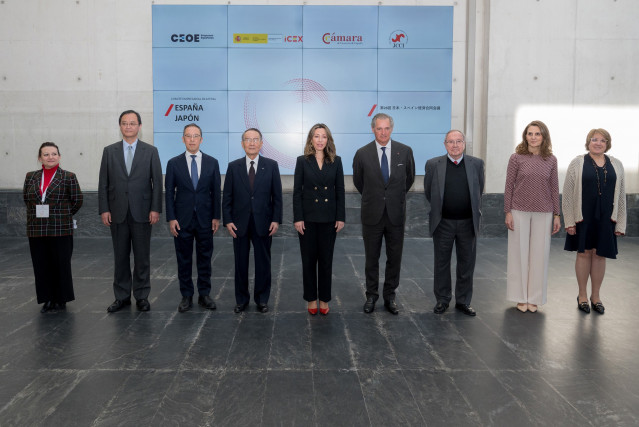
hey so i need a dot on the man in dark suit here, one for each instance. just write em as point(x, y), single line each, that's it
point(383, 172)
point(454, 184)
point(192, 185)
point(252, 212)
point(130, 202)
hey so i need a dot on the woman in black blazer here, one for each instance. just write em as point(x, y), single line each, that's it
point(319, 213)
point(52, 196)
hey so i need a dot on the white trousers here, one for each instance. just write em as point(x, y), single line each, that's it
point(528, 254)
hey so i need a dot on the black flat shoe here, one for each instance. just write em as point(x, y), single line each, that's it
point(143, 305)
point(440, 308)
point(262, 308)
point(597, 306)
point(206, 302)
point(186, 304)
point(118, 305)
point(466, 309)
point(240, 307)
point(369, 305)
point(46, 307)
point(391, 306)
point(583, 306)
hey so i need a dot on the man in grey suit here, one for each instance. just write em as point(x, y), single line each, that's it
point(383, 172)
point(453, 184)
point(130, 201)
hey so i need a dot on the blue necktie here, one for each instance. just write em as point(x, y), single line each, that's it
point(194, 171)
point(385, 174)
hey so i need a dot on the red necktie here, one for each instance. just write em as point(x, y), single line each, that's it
point(455, 162)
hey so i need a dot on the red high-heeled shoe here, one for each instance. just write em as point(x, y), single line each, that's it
point(324, 311)
point(312, 311)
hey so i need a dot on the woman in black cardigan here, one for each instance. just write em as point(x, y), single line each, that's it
point(319, 213)
point(52, 196)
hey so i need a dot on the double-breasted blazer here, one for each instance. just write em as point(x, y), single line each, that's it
point(182, 198)
point(318, 195)
point(140, 192)
point(435, 182)
point(377, 196)
point(264, 202)
point(64, 198)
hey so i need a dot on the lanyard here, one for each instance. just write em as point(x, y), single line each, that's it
point(43, 189)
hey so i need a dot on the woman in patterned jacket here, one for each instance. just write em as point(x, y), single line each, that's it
point(52, 196)
point(531, 205)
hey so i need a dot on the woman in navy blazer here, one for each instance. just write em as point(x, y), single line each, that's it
point(52, 196)
point(319, 213)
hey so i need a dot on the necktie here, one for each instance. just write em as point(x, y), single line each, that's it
point(129, 159)
point(455, 162)
point(385, 174)
point(252, 175)
point(194, 170)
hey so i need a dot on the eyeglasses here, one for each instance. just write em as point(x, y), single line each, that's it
point(252, 140)
point(194, 136)
point(602, 140)
point(125, 124)
point(455, 141)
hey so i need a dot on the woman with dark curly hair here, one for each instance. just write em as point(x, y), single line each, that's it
point(594, 205)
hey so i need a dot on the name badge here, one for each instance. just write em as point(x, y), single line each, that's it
point(42, 211)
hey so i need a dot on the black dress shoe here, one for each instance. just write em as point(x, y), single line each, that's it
point(262, 308)
point(598, 307)
point(46, 307)
point(143, 305)
point(186, 304)
point(440, 307)
point(240, 307)
point(60, 306)
point(118, 305)
point(369, 306)
point(583, 306)
point(466, 309)
point(206, 302)
point(391, 306)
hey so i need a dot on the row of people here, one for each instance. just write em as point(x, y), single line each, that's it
point(130, 191)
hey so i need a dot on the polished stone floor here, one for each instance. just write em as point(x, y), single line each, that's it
point(85, 367)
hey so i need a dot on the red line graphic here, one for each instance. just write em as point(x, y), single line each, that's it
point(372, 109)
point(169, 110)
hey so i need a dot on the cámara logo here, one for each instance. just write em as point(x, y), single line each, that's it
point(329, 38)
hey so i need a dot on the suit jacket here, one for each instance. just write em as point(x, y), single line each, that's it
point(434, 184)
point(265, 202)
point(182, 198)
point(64, 198)
point(140, 192)
point(318, 195)
point(367, 177)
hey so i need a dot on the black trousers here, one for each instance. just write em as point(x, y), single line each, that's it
point(394, 239)
point(317, 246)
point(51, 258)
point(203, 237)
point(262, 256)
point(460, 233)
point(126, 235)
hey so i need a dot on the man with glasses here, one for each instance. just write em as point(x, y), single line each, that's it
point(453, 184)
point(252, 212)
point(192, 185)
point(130, 202)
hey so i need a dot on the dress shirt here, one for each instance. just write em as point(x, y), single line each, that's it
point(458, 160)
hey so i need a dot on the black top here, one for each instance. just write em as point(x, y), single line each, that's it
point(456, 193)
point(596, 231)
